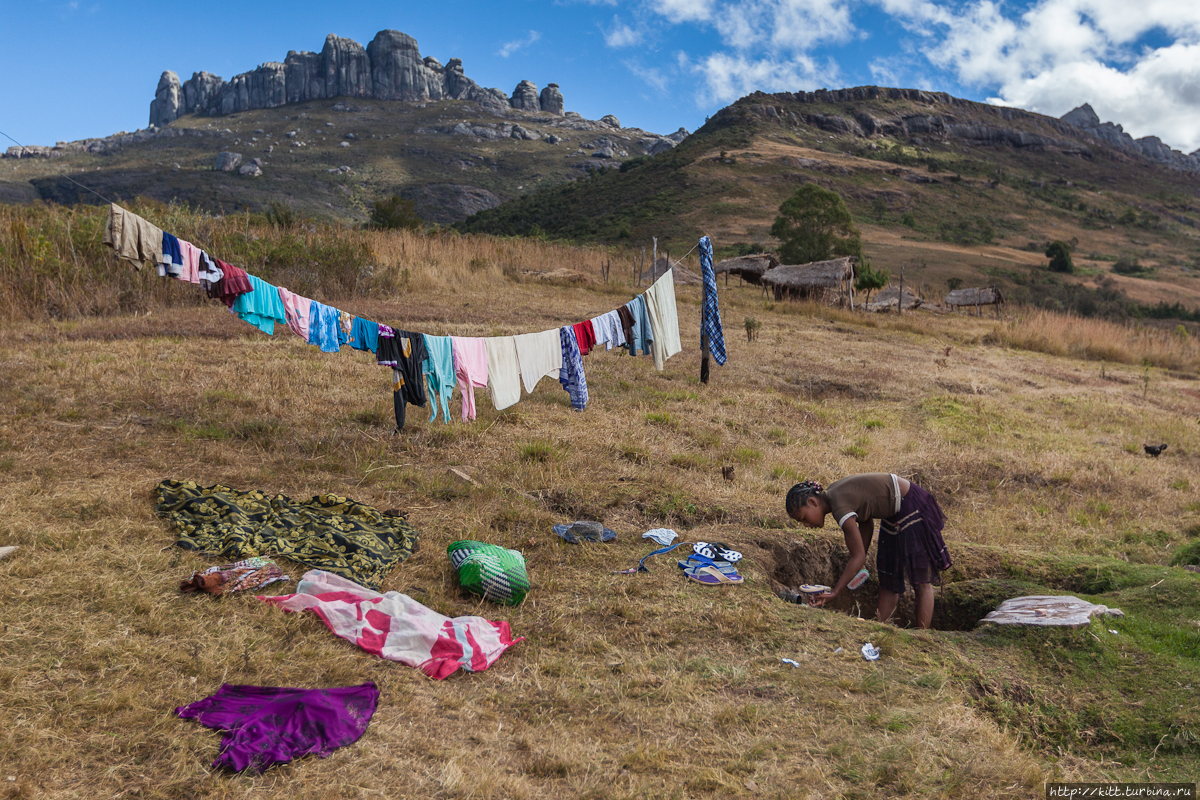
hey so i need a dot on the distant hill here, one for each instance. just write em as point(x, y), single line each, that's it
point(944, 187)
point(330, 158)
point(326, 133)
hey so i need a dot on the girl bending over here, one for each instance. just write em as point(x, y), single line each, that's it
point(910, 541)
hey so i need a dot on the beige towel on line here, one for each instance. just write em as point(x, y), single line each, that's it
point(504, 371)
point(539, 354)
point(664, 320)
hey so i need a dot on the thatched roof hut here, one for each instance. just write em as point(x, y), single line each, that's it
point(748, 268)
point(821, 280)
point(886, 300)
point(976, 297)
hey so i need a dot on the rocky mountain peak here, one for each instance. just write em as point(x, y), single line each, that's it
point(1085, 119)
point(389, 68)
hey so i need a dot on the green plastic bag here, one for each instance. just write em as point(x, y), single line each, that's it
point(493, 572)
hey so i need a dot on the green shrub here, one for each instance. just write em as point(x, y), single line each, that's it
point(1059, 253)
point(395, 213)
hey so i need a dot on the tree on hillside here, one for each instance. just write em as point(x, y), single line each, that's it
point(1059, 253)
point(868, 280)
point(393, 213)
point(814, 225)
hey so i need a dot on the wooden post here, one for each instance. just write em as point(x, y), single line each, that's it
point(654, 262)
point(704, 352)
point(900, 300)
point(851, 292)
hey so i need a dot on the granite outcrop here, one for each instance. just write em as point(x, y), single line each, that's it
point(389, 68)
point(1086, 120)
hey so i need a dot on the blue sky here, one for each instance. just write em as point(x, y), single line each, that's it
point(89, 67)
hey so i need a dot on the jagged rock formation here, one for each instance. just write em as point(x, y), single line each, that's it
point(389, 68)
point(1085, 119)
point(945, 124)
point(525, 97)
point(551, 100)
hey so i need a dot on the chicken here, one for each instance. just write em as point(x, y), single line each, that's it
point(1154, 449)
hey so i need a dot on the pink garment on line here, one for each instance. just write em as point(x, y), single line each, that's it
point(398, 628)
point(471, 368)
point(296, 309)
point(191, 262)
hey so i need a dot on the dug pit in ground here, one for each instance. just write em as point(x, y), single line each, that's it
point(968, 592)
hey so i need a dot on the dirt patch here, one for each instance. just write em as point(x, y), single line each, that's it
point(968, 593)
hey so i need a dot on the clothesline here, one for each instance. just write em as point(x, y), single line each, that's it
point(424, 367)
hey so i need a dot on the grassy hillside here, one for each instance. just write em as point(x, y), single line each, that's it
point(938, 205)
point(627, 685)
point(393, 148)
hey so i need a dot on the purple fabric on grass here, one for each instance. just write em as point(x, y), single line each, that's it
point(266, 725)
point(911, 543)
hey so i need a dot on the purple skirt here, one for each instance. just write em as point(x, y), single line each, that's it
point(910, 543)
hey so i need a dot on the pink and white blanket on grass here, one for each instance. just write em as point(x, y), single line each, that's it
point(398, 628)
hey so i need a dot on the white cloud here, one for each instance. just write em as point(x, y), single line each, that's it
point(728, 77)
point(1045, 55)
point(1157, 96)
point(621, 35)
point(683, 10)
point(518, 44)
point(767, 42)
point(655, 78)
point(1058, 54)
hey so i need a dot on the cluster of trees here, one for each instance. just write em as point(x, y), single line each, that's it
point(815, 225)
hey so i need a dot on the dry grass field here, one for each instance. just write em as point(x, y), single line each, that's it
point(627, 686)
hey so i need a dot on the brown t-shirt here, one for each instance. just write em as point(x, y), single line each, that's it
point(875, 495)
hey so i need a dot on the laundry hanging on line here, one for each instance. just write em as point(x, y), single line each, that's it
point(424, 368)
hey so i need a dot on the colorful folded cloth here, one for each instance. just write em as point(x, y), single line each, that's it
point(250, 573)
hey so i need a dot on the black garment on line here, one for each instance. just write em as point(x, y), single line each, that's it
point(409, 366)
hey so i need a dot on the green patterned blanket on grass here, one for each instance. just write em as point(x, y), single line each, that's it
point(328, 532)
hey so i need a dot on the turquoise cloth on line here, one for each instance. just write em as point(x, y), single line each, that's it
point(262, 306)
point(439, 372)
point(364, 335)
